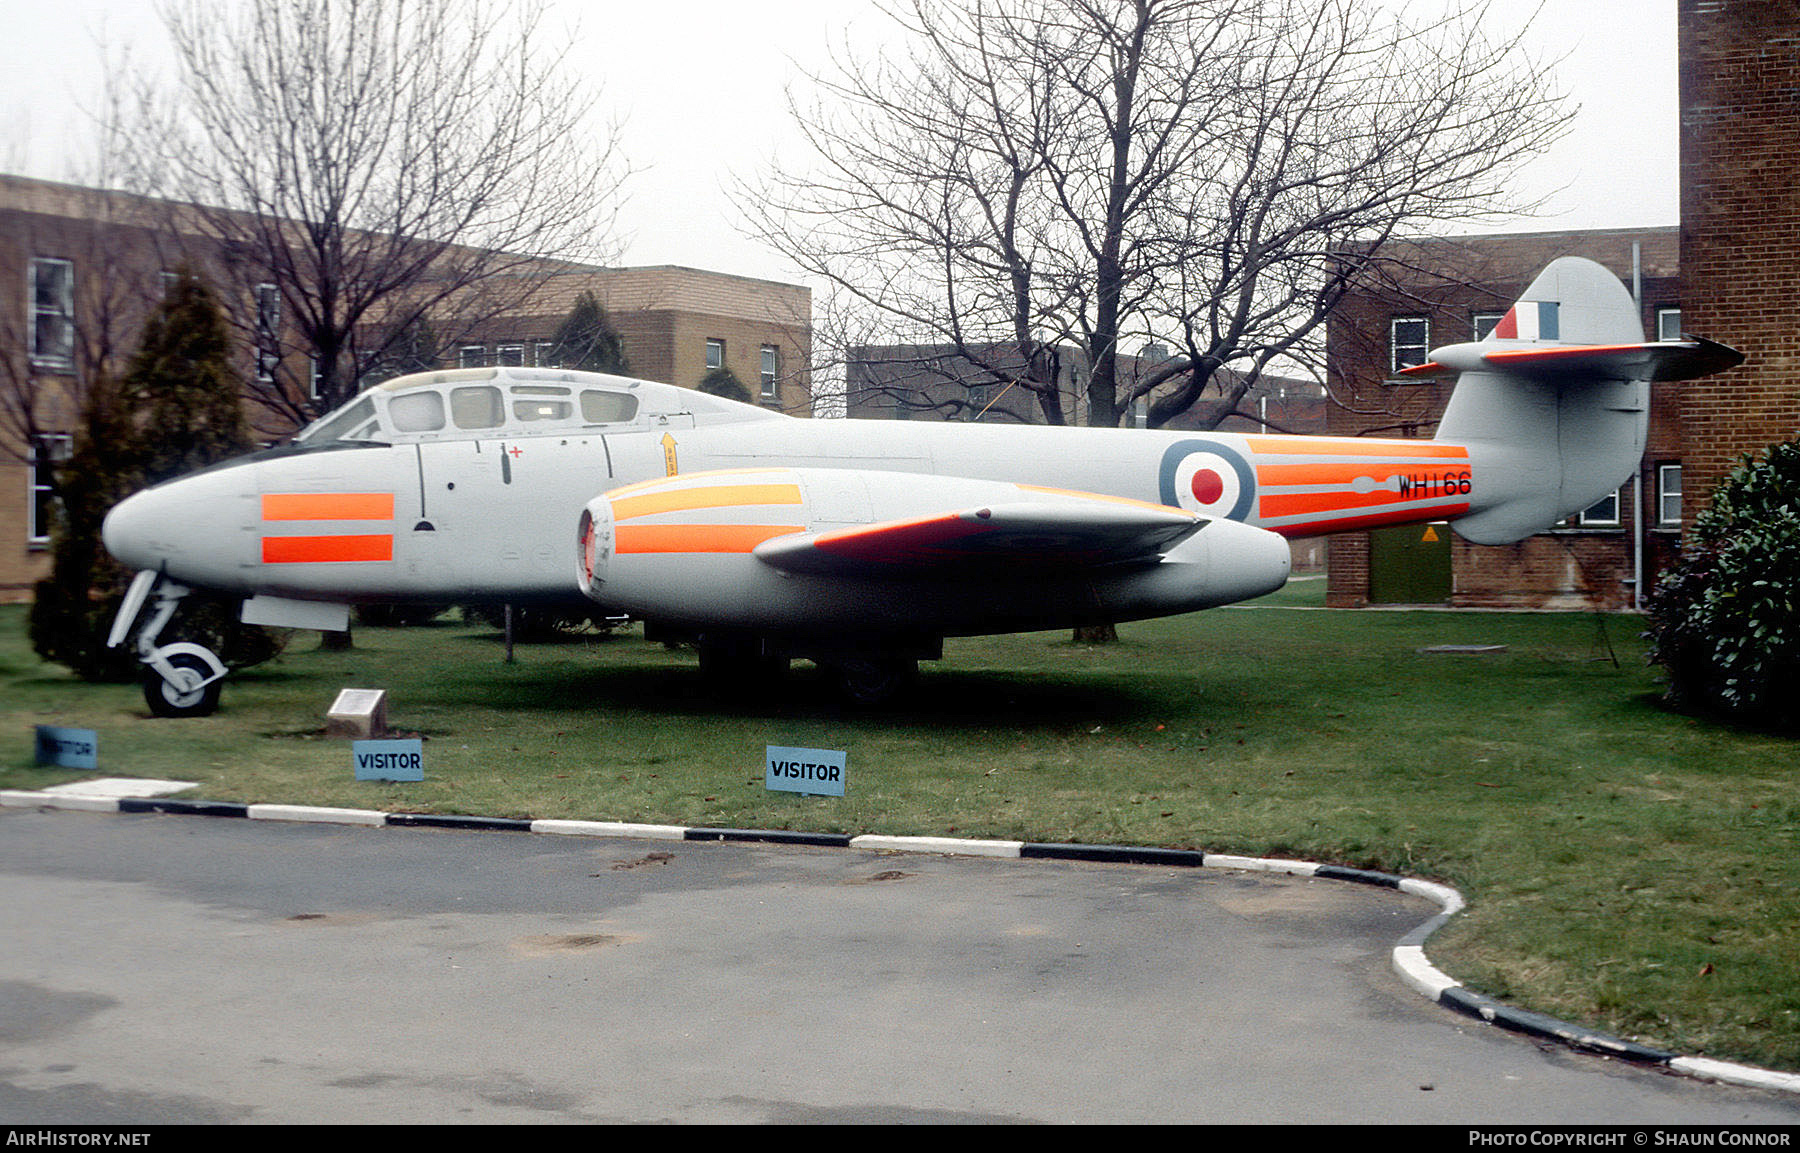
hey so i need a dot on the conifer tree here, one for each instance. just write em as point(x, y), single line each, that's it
point(723, 382)
point(181, 387)
point(72, 609)
point(586, 341)
point(177, 408)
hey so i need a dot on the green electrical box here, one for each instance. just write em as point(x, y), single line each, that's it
point(1409, 565)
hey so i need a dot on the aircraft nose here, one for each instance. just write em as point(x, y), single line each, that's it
point(193, 529)
point(131, 532)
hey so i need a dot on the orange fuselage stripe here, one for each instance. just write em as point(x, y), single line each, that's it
point(1316, 503)
point(328, 506)
point(653, 538)
point(1343, 474)
point(327, 549)
point(1355, 446)
point(715, 496)
point(1408, 515)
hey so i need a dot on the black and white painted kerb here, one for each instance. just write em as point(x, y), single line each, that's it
point(1409, 958)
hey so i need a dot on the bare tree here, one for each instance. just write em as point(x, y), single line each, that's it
point(366, 165)
point(1041, 181)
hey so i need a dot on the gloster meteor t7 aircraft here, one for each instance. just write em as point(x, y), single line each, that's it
point(861, 544)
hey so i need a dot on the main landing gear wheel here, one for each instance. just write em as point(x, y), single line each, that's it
point(189, 694)
point(873, 680)
point(739, 665)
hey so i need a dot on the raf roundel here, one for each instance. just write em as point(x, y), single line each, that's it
point(1208, 478)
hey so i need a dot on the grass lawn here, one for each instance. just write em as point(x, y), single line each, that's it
point(1626, 867)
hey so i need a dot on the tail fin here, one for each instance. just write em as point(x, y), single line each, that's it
point(1554, 403)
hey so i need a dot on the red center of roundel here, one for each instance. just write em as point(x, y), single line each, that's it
point(1209, 486)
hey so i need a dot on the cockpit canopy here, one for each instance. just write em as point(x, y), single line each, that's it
point(476, 403)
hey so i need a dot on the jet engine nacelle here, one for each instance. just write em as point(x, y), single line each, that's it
point(811, 551)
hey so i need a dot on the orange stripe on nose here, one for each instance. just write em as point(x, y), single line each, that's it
point(327, 549)
point(645, 538)
point(328, 506)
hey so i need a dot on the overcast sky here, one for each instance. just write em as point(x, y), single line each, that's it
point(700, 86)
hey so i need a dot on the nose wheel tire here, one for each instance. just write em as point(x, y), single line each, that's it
point(188, 694)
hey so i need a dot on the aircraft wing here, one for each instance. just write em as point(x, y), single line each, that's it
point(1060, 531)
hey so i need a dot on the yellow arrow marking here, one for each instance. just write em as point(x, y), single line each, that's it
point(668, 445)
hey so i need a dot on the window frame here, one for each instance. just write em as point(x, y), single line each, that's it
point(267, 299)
point(1587, 518)
point(1663, 493)
point(770, 368)
point(61, 311)
point(1395, 346)
point(715, 354)
point(40, 488)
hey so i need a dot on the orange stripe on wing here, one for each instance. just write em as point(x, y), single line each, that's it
point(327, 549)
point(712, 496)
point(898, 541)
point(652, 538)
point(328, 506)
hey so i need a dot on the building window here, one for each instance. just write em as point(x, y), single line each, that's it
point(1410, 341)
point(771, 370)
point(511, 356)
point(1668, 324)
point(1603, 513)
point(544, 354)
point(471, 356)
point(715, 355)
point(1484, 323)
point(268, 331)
point(52, 313)
point(46, 454)
point(1668, 495)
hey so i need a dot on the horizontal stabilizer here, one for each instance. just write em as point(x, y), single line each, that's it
point(1682, 359)
point(1064, 531)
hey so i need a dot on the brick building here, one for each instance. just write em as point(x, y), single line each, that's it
point(676, 324)
point(87, 266)
point(1740, 225)
point(1453, 290)
point(1738, 282)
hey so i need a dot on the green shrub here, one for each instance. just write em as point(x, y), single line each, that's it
point(1725, 621)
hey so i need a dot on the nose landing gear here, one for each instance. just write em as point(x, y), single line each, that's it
point(181, 679)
